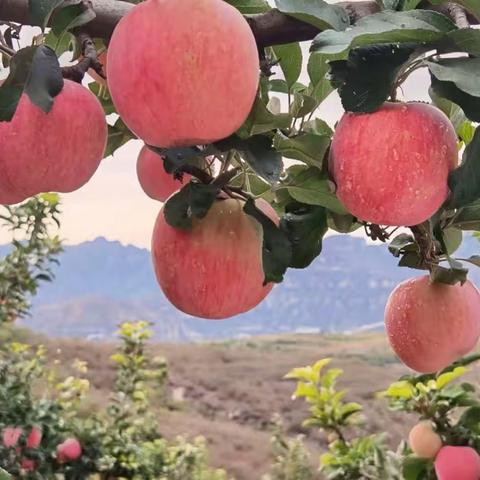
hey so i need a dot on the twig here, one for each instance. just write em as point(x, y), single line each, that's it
point(9, 52)
point(89, 60)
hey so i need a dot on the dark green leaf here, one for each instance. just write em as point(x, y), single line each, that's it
point(307, 147)
point(342, 223)
point(305, 226)
point(118, 135)
point(276, 251)
point(401, 244)
point(415, 468)
point(70, 17)
point(41, 10)
point(463, 72)
point(451, 275)
point(367, 78)
point(416, 26)
point(470, 418)
point(464, 40)
point(412, 260)
point(312, 187)
point(318, 13)
point(36, 72)
point(389, 4)
point(469, 104)
point(259, 153)
point(464, 182)
point(468, 217)
point(452, 239)
point(176, 209)
point(193, 200)
point(318, 67)
point(290, 60)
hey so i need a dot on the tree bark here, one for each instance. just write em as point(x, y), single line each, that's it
point(270, 28)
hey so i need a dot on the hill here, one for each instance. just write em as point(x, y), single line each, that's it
point(102, 283)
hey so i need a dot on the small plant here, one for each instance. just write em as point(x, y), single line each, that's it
point(43, 433)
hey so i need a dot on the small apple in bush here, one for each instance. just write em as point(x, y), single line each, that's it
point(153, 178)
point(457, 463)
point(55, 151)
point(11, 435)
point(34, 438)
point(424, 441)
point(430, 325)
point(193, 81)
point(391, 166)
point(28, 464)
point(69, 450)
point(215, 269)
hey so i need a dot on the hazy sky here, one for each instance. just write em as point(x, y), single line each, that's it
point(113, 205)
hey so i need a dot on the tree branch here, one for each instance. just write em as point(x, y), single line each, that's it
point(89, 60)
point(270, 28)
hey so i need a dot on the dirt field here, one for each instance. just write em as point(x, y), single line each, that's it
point(229, 391)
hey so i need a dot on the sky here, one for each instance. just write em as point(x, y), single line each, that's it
point(113, 205)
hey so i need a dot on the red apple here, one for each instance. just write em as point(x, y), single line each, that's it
point(430, 325)
point(154, 180)
point(190, 76)
point(34, 438)
point(424, 441)
point(28, 464)
point(457, 463)
point(391, 167)
point(55, 151)
point(215, 269)
point(69, 450)
point(11, 435)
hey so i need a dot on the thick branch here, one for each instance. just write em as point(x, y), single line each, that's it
point(271, 28)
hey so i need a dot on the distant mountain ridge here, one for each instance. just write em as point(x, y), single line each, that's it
point(102, 283)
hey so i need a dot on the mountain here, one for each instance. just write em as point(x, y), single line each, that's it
point(102, 283)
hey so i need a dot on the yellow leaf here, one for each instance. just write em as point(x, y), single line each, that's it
point(446, 378)
point(401, 389)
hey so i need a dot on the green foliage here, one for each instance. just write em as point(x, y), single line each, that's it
point(33, 252)
point(121, 442)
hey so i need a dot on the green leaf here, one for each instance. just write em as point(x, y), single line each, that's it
point(276, 249)
point(259, 153)
point(464, 182)
point(290, 59)
point(262, 120)
point(318, 13)
point(469, 104)
point(367, 78)
point(463, 72)
point(415, 26)
point(318, 67)
point(400, 389)
point(455, 273)
point(446, 378)
point(452, 238)
point(468, 217)
point(464, 40)
point(401, 244)
point(415, 468)
point(307, 147)
point(389, 4)
point(36, 72)
point(342, 223)
point(312, 187)
point(70, 17)
point(305, 227)
point(5, 475)
point(410, 4)
point(250, 6)
point(470, 418)
point(193, 200)
point(118, 135)
point(450, 109)
point(41, 10)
